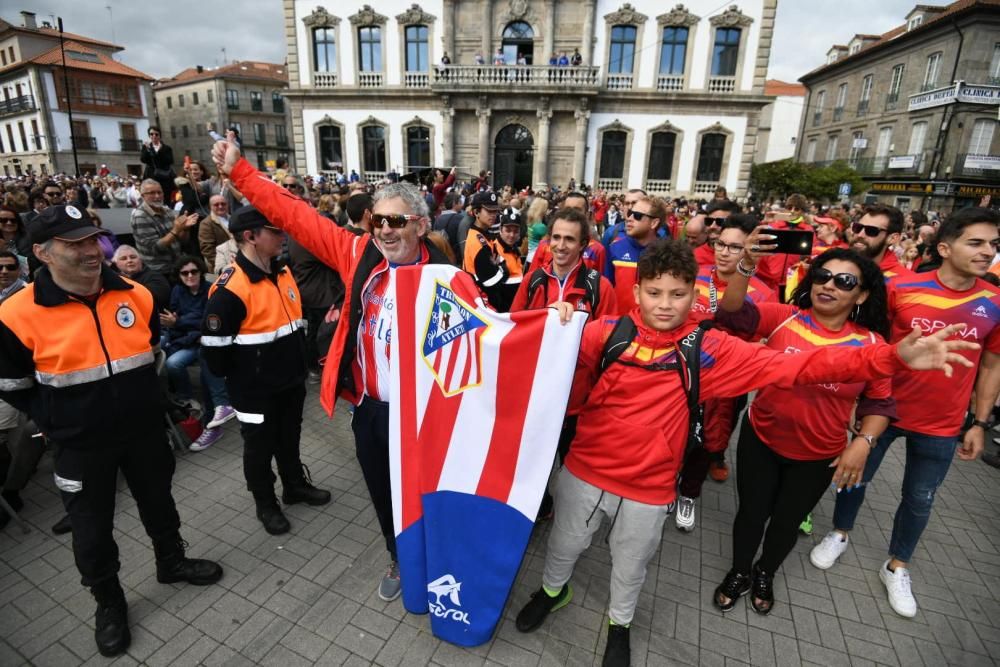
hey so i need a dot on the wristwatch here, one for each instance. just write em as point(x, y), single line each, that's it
point(981, 424)
point(870, 439)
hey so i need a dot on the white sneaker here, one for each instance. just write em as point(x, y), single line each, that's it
point(897, 584)
point(826, 553)
point(685, 514)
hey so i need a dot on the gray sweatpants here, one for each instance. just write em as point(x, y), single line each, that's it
point(634, 537)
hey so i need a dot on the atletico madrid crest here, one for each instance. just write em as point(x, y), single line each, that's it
point(451, 346)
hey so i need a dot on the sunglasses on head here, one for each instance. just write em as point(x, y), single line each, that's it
point(845, 282)
point(869, 230)
point(190, 272)
point(393, 220)
point(639, 215)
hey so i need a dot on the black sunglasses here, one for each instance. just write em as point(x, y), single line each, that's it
point(393, 220)
point(870, 230)
point(639, 215)
point(845, 282)
point(190, 272)
point(716, 222)
point(8, 221)
point(9, 267)
point(291, 186)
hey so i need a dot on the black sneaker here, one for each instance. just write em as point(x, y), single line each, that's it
point(762, 598)
point(992, 460)
point(617, 653)
point(62, 526)
point(541, 605)
point(734, 586)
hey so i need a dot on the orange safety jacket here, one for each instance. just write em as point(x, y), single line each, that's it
point(254, 335)
point(83, 369)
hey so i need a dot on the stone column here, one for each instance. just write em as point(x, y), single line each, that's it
point(484, 138)
point(541, 162)
point(487, 29)
point(580, 145)
point(448, 137)
point(449, 29)
point(549, 43)
point(587, 48)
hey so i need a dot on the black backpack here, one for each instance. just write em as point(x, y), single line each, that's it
point(689, 367)
point(588, 280)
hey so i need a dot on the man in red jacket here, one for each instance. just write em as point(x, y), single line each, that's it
point(632, 479)
point(357, 366)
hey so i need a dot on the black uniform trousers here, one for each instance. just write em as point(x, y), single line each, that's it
point(88, 482)
point(371, 442)
point(276, 437)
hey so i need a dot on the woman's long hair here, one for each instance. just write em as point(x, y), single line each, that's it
point(873, 314)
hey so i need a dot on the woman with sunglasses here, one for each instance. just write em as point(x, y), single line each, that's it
point(15, 238)
point(792, 443)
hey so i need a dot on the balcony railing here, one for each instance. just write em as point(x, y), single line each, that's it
point(611, 184)
point(324, 80)
point(722, 84)
point(658, 187)
point(281, 142)
point(933, 85)
point(17, 105)
point(526, 75)
point(705, 187)
point(666, 83)
point(131, 145)
point(416, 79)
point(838, 113)
point(862, 107)
point(370, 79)
point(905, 164)
point(619, 82)
point(373, 176)
point(84, 143)
point(891, 101)
point(983, 165)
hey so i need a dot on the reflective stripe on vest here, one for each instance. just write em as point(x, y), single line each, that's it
point(96, 373)
point(254, 338)
point(250, 417)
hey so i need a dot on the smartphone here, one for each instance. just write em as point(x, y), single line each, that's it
point(792, 242)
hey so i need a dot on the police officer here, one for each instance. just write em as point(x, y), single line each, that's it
point(483, 257)
point(94, 394)
point(254, 336)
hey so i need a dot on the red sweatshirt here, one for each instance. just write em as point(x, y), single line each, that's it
point(632, 431)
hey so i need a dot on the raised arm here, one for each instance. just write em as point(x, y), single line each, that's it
point(755, 248)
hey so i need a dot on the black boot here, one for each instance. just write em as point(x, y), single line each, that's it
point(111, 620)
point(301, 490)
point(62, 526)
point(172, 566)
point(270, 514)
point(618, 652)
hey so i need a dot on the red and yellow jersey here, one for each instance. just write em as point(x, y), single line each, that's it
point(620, 269)
point(921, 300)
point(809, 422)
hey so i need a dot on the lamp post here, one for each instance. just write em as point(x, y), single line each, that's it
point(69, 102)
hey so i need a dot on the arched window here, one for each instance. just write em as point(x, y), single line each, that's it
point(613, 154)
point(622, 53)
point(331, 147)
point(416, 48)
point(324, 50)
point(661, 156)
point(373, 148)
point(518, 40)
point(713, 148)
point(418, 147)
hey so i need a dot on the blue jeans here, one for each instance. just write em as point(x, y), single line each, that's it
point(928, 458)
point(177, 365)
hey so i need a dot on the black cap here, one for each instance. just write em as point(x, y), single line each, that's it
point(247, 217)
point(66, 223)
point(510, 216)
point(485, 200)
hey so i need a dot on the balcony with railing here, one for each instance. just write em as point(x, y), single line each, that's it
point(722, 84)
point(373, 176)
point(619, 82)
point(533, 76)
point(975, 164)
point(324, 80)
point(891, 101)
point(658, 187)
point(668, 83)
point(84, 143)
point(371, 79)
point(863, 108)
point(838, 113)
point(17, 105)
point(131, 145)
point(611, 184)
point(705, 187)
point(416, 79)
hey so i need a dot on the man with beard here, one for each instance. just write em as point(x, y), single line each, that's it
point(159, 232)
point(874, 235)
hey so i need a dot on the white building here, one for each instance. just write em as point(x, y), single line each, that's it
point(110, 103)
point(664, 99)
point(779, 121)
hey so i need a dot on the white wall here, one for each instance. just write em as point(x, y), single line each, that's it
point(351, 118)
point(785, 119)
point(691, 125)
point(347, 43)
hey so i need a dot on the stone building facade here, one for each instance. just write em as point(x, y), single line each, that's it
point(664, 99)
point(247, 95)
point(914, 110)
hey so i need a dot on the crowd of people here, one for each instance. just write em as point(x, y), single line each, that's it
point(266, 285)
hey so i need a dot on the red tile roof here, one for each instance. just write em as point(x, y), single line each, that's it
point(246, 69)
point(774, 88)
point(54, 33)
point(104, 63)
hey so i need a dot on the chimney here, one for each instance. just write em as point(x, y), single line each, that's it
point(28, 20)
point(200, 69)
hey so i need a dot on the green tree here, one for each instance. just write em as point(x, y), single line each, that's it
point(783, 177)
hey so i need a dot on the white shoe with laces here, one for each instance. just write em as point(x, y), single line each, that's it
point(897, 585)
point(685, 514)
point(826, 553)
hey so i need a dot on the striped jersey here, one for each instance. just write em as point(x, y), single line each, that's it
point(374, 334)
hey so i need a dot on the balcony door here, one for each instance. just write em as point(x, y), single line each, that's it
point(518, 38)
point(512, 157)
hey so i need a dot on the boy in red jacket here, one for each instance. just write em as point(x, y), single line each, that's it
point(624, 460)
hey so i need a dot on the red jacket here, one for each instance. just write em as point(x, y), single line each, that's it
point(594, 255)
point(632, 430)
point(439, 190)
point(568, 291)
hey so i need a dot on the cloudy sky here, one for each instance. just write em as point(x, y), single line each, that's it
point(162, 38)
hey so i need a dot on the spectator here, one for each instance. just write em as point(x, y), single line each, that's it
point(195, 189)
point(54, 193)
point(13, 462)
point(105, 239)
point(441, 185)
point(554, 59)
point(128, 262)
point(159, 161)
point(577, 59)
point(445, 59)
point(359, 213)
point(498, 57)
point(564, 62)
point(214, 230)
point(116, 195)
point(479, 58)
point(14, 238)
point(159, 232)
point(37, 202)
point(537, 228)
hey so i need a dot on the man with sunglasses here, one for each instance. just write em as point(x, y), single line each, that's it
point(715, 215)
point(253, 334)
point(357, 366)
point(617, 231)
point(874, 234)
point(641, 228)
point(932, 407)
point(54, 193)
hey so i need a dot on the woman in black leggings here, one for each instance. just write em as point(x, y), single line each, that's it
point(792, 442)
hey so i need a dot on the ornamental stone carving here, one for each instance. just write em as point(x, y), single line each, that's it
point(415, 15)
point(518, 9)
point(731, 18)
point(666, 126)
point(626, 15)
point(679, 16)
point(368, 16)
point(615, 126)
point(320, 18)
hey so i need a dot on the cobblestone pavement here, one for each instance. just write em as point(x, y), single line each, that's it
point(309, 597)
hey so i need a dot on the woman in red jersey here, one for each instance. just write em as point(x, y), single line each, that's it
point(792, 442)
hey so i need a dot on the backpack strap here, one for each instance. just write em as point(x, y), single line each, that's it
point(689, 357)
point(539, 278)
point(621, 337)
point(590, 281)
